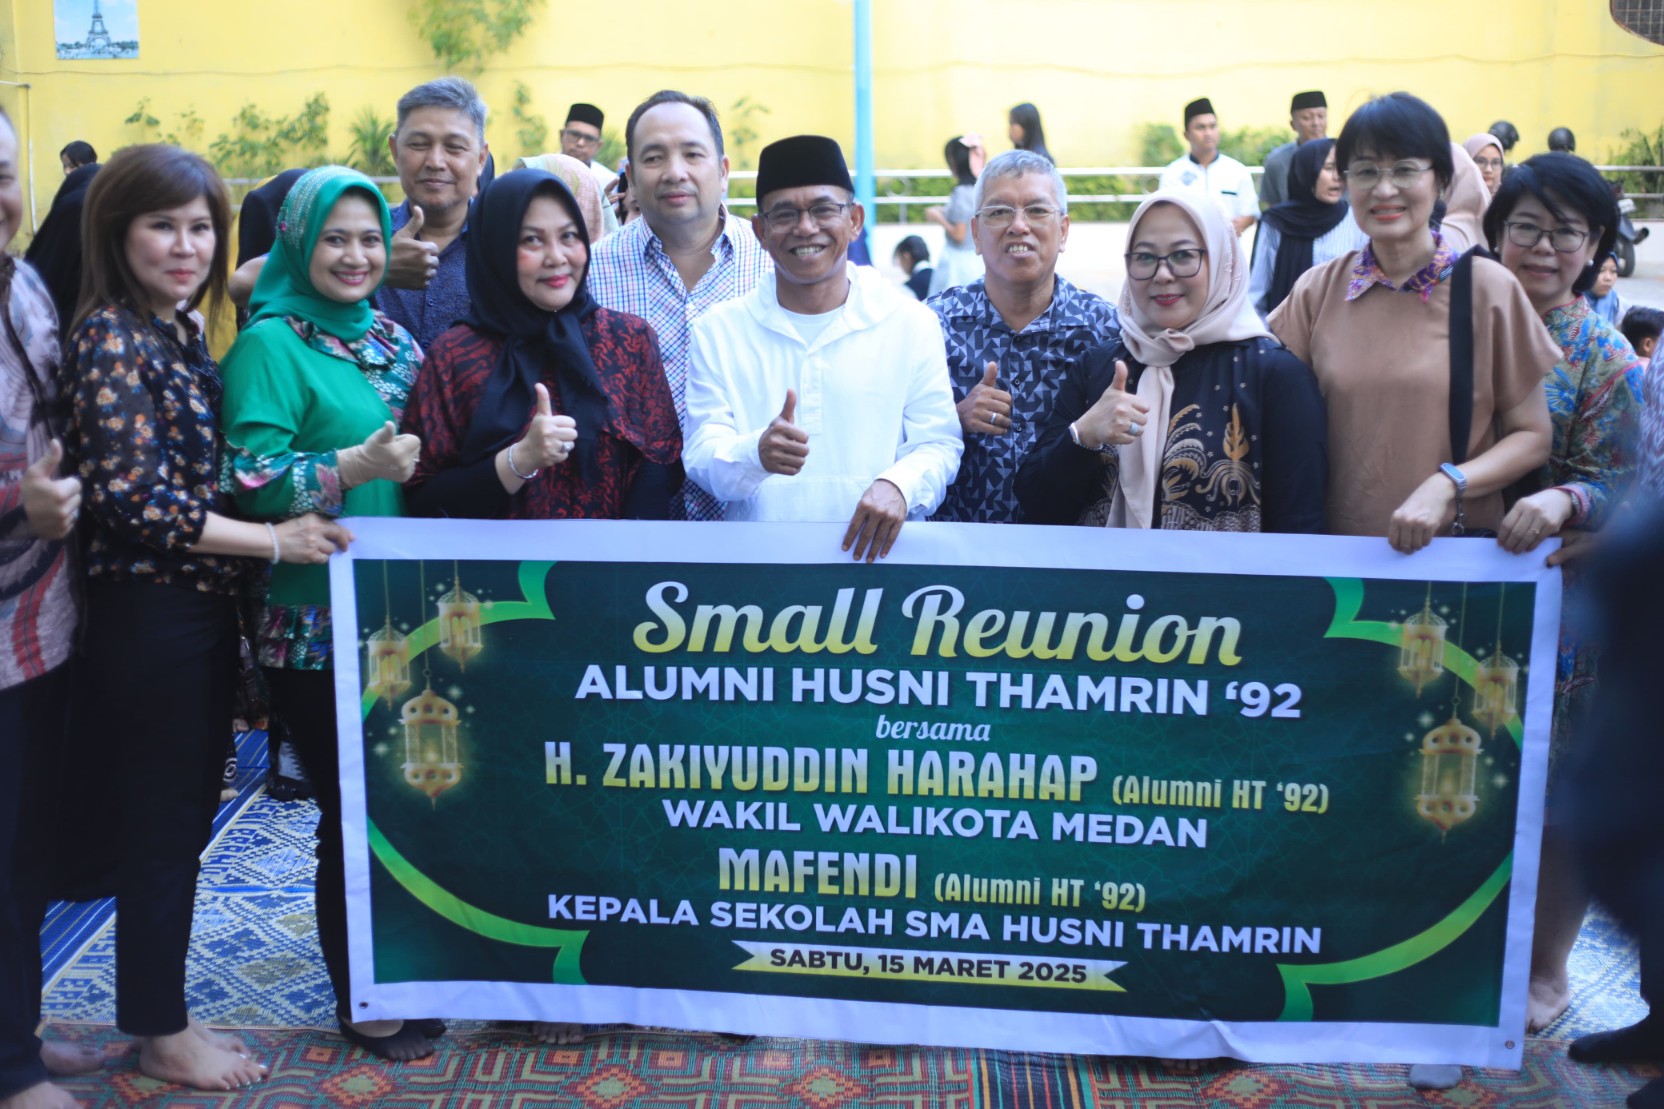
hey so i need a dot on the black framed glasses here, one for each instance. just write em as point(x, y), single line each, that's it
point(785, 218)
point(579, 137)
point(1000, 216)
point(1142, 265)
point(1528, 235)
point(1403, 175)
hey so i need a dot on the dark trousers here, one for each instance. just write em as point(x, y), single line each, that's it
point(32, 745)
point(305, 701)
point(154, 710)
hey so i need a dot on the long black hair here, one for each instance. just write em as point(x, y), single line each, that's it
point(1561, 182)
point(1027, 116)
point(958, 156)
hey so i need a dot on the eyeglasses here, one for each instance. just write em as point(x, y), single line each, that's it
point(1488, 163)
point(1528, 235)
point(579, 137)
point(1366, 175)
point(785, 218)
point(1003, 215)
point(1141, 265)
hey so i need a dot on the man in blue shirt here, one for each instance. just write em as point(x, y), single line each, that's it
point(1011, 333)
point(439, 147)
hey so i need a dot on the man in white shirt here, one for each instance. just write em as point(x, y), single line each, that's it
point(581, 139)
point(823, 393)
point(1206, 170)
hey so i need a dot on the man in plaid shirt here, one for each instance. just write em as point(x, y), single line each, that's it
point(687, 252)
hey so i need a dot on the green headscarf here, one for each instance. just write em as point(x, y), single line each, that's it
point(284, 287)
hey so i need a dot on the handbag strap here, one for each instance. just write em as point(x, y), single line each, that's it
point(1461, 357)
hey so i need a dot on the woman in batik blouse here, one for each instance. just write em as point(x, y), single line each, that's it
point(1552, 221)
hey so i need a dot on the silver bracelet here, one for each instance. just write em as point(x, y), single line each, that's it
point(277, 551)
point(515, 470)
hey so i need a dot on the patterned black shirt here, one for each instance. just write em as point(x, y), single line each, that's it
point(1032, 364)
point(144, 434)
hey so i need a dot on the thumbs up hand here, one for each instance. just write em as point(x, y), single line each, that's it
point(1117, 418)
point(549, 438)
point(986, 409)
point(411, 262)
point(784, 446)
point(51, 503)
point(385, 454)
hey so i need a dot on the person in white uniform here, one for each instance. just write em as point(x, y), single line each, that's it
point(822, 394)
point(1206, 170)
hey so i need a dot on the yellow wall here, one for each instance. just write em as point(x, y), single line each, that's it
point(1097, 68)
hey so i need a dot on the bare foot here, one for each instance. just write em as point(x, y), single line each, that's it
point(222, 1040)
point(43, 1095)
point(1547, 1000)
point(189, 1059)
point(63, 1059)
point(556, 1032)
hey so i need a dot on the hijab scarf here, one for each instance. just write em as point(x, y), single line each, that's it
point(1301, 220)
point(284, 287)
point(1226, 317)
point(580, 180)
point(534, 341)
point(1476, 143)
point(1465, 201)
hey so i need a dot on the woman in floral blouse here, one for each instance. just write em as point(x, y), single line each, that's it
point(314, 388)
point(1552, 220)
point(541, 405)
point(164, 566)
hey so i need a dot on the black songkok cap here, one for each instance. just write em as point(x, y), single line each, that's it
point(801, 160)
point(1304, 100)
point(1202, 107)
point(585, 113)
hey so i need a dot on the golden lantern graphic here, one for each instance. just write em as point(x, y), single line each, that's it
point(1449, 775)
point(459, 622)
point(1496, 684)
point(432, 762)
point(1421, 645)
point(387, 654)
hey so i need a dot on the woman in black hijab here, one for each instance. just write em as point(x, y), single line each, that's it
point(541, 404)
point(1307, 229)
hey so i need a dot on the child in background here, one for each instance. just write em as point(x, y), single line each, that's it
point(1602, 295)
point(912, 258)
point(1642, 327)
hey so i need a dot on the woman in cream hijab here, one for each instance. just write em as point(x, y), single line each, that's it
point(1195, 418)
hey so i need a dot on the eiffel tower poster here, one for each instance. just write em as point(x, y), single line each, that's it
point(96, 29)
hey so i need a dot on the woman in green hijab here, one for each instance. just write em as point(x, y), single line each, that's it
point(314, 389)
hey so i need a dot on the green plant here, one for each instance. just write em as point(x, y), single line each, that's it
point(370, 130)
point(259, 144)
point(741, 131)
point(1250, 145)
point(1640, 149)
point(187, 132)
point(463, 33)
point(1158, 144)
point(611, 151)
point(531, 129)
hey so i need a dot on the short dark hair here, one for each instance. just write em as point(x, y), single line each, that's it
point(1641, 323)
point(80, 153)
point(1560, 181)
point(152, 177)
point(914, 246)
point(672, 96)
point(1398, 125)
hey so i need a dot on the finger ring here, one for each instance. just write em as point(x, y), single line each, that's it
point(1134, 427)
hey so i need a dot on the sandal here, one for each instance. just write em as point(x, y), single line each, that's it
point(408, 1043)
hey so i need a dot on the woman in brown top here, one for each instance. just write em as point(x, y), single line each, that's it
point(1374, 324)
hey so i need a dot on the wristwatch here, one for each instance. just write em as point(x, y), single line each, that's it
point(1460, 480)
point(1101, 448)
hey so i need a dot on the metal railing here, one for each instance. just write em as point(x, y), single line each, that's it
point(895, 185)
